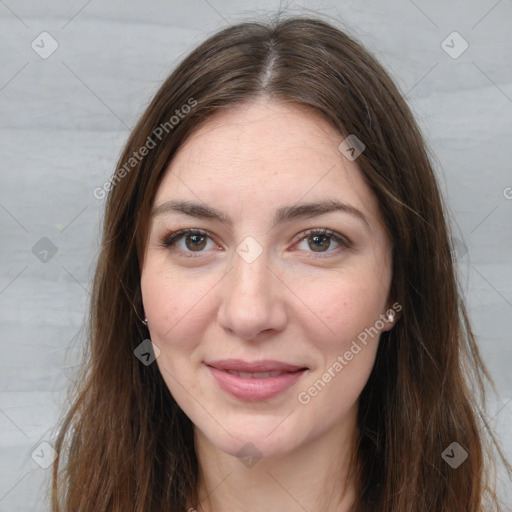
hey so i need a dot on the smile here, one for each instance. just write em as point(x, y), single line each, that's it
point(255, 386)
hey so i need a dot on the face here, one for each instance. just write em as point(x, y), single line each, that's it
point(262, 278)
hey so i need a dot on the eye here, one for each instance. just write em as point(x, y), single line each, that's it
point(320, 241)
point(195, 240)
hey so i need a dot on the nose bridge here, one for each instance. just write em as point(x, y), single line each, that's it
point(251, 300)
point(249, 276)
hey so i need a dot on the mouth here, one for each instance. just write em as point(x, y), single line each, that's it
point(254, 367)
point(255, 381)
point(255, 375)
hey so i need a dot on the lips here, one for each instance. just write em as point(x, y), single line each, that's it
point(256, 381)
point(255, 375)
point(239, 365)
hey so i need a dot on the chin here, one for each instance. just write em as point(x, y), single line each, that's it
point(256, 444)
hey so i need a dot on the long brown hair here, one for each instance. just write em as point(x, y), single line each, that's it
point(126, 445)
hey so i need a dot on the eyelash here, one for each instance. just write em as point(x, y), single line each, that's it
point(171, 237)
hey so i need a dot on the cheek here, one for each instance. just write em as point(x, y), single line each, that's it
point(346, 339)
point(347, 305)
point(161, 311)
point(174, 303)
point(172, 307)
point(346, 348)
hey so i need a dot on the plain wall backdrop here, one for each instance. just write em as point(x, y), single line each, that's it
point(75, 77)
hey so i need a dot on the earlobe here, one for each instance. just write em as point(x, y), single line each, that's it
point(392, 315)
point(389, 319)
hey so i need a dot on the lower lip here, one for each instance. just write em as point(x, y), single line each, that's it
point(252, 389)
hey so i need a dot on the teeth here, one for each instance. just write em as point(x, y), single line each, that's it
point(255, 375)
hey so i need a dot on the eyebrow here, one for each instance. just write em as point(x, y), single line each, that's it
point(284, 214)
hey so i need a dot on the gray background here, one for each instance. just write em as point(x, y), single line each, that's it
point(65, 118)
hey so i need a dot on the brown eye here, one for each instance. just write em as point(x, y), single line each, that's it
point(319, 243)
point(187, 241)
point(195, 242)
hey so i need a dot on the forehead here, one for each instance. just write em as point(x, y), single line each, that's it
point(265, 153)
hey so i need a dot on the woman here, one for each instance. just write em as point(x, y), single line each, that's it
point(274, 227)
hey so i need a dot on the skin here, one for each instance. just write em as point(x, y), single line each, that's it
point(291, 303)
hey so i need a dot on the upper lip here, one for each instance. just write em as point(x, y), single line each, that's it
point(240, 365)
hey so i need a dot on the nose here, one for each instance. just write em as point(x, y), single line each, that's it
point(252, 303)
